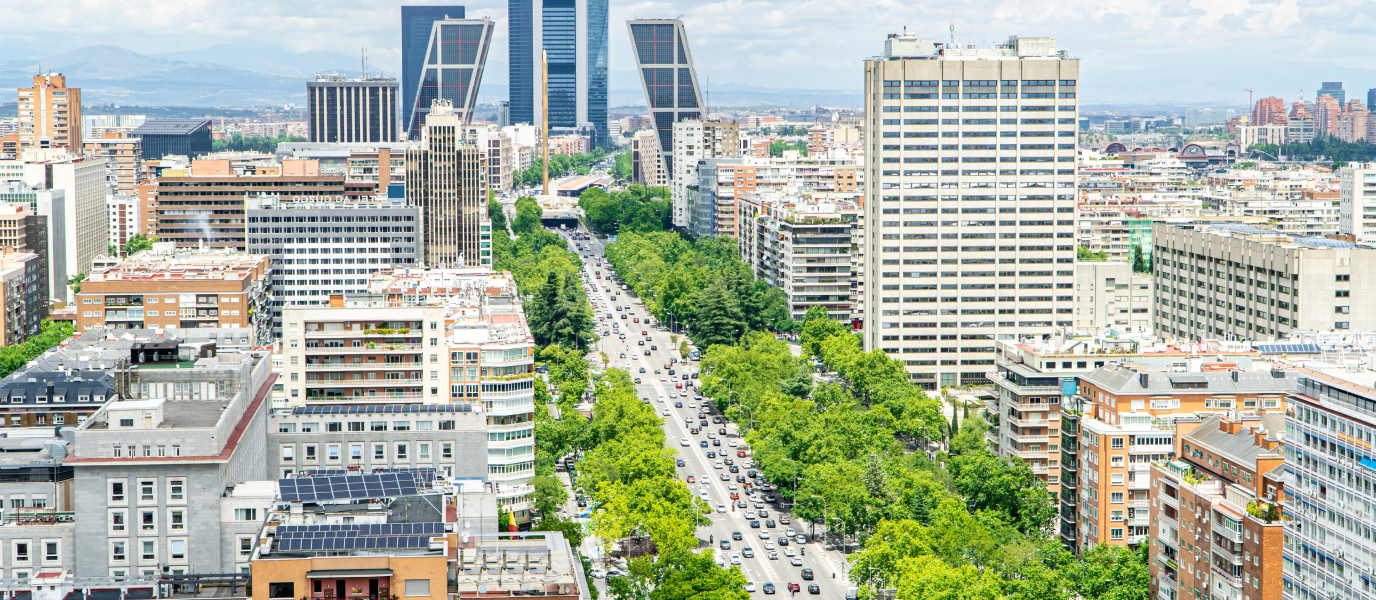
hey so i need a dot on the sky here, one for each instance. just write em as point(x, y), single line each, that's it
point(1132, 51)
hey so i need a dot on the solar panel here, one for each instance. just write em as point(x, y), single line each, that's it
point(423, 474)
point(353, 543)
point(347, 487)
point(1306, 348)
point(362, 409)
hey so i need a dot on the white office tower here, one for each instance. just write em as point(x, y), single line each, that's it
point(1357, 202)
point(970, 201)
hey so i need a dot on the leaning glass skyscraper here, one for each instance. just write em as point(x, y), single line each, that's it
point(574, 34)
point(416, 23)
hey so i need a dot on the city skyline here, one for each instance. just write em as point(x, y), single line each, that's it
point(1135, 52)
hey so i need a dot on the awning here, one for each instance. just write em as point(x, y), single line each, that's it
point(348, 573)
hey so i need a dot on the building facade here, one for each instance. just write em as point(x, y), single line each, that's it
point(122, 155)
point(22, 230)
point(24, 302)
point(1244, 282)
point(1357, 202)
point(1109, 294)
point(804, 248)
point(50, 114)
point(372, 235)
point(167, 287)
point(665, 65)
point(445, 179)
point(647, 160)
point(361, 110)
point(181, 137)
point(1020, 244)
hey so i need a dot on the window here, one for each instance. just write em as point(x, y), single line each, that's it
point(50, 551)
point(283, 589)
point(21, 551)
point(117, 491)
point(176, 520)
point(117, 550)
point(245, 514)
point(146, 491)
point(245, 546)
point(332, 452)
point(1115, 533)
point(1116, 479)
point(126, 422)
point(147, 521)
point(117, 520)
point(150, 550)
point(1115, 515)
point(356, 452)
point(417, 587)
point(178, 551)
point(447, 450)
point(1115, 443)
point(310, 452)
point(288, 452)
point(176, 490)
point(1116, 497)
point(379, 451)
point(401, 451)
point(424, 449)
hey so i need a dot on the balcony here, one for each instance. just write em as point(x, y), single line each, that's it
point(381, 397)
point(1041, 405)
point(375, 349)
point(1034, 439)
point(368, 333)
point(1005, 383)
point(343, 366)
point(1235, 535)
point(316, 383)
point(1033, 422)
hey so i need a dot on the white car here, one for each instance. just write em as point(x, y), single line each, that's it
point(797, 562)
point(684, 442)
point(731, 486)
point(717, 465)
point(703, 493)
point(662, 378)
point(749, 586)
point(731, 443)
point(768, 545)
point(789, 532)
point(801, 539)
point(721, 508)
point(692, 405)
point(667, 412)
point(735, 559)
point(749, 515)
point(788, 551)
point(764, 534)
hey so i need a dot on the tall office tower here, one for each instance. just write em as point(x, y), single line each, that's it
point(361, 110)
point(1333, 89)
point(970, 212)
point(667, 76)
point(417, 23)
point(503, 113)
point(574, 33)
point(1371, 99)
point(444, 177)
point(56, 111)
point(452, 70)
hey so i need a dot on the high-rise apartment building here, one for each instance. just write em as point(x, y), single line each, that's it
point(1371, 99)
point(694, 141)
point(1357, 202)
point(1329, 488)
point(372, 234)
point(802, 246)
point(665, 65)
point(1334, 90)
point(50, 114)
point(1300, 124)
point(77, 220)
point(1244, 282)
point(574, 33)
point(451, 70)
point(1122, 420)
point(444, 177)
point(23, 230)
point(122, 215)
point(1269, 111)
point(1326, 110)
point(417, 26)
point(647, 161)
point(182, 137)
point(23, 296)
point(122, 155)
point(970, 205)
point(359, 110)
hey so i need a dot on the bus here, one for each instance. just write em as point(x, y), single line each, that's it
point(694, 355)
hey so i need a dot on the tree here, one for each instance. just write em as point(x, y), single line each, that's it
point(1114, 573)
point(138, 243)
point(1139, 263)
point(689, 575)
point(929, 578)
point(549, 494)
point(1084, 253)
point(719, 316)
point(573, 532)
point(496, 214)
point(75, 282)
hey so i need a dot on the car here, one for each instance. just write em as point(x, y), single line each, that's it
point(640, 343)
point(784, 520)
point(783, 541)
point(654, 347)
point(647, 353)
point(769, 588)
point(716, 442)
point(750, 474)
point(794, 587)
point(582, 503)
point(703, 443)
point(667, 412)
point(789, 552)
point(736, 535)
point(681, 463)
point(725, 544)
point(691, 479)
point(729, 462)
point(645, 333)
point(735, 469)
point(764, 534)
point(801, 539)
point(678, 405)
point(732, 485)
point(740, 504)
point(637, 380)
point(749, 586)
point(748, 552)
point(759, 504)
point(773, 555)
point(807, 574)
point(721, 430)
point(768, 545)
point(749, 514)
point(637, 319)
point(814, 589)
point(725, 477)
point(755, 524)
point(600, 574)
point(673, 394)
point(695, 431)
point(711, 436)
point(764, 513)
point(789, 532)
point(717, 465)
point(661, 378)
point(735, 559)
point(710, 454)
point(768, 522)
point(739, 478)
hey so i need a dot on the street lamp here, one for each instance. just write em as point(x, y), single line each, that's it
point(824, 515)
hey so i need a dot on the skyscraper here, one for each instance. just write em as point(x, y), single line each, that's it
point(451, 70)
point(56, 111)
point(973, 239)
point(361, 110)
point(1334, 89)
point(416, 25)
point(444, 177)
point(1371, 99)
point(671, 88)
point(574, 34)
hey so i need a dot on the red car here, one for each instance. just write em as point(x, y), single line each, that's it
point(794, 587)
point(679, 385)
point(735, 495)
point(637, 319)
point(643, 332)
point(690, 479)
point(740, 453)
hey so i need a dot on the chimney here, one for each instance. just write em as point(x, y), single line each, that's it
point(1143, 379)
point(1230, 426)
point(1235, 376)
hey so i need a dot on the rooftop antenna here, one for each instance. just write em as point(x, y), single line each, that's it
point(953, 28)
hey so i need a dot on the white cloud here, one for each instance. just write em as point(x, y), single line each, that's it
point(1132, 50)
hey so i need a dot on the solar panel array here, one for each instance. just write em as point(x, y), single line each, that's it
point(354, 543)
point(348, 487)
point(1289, 348)
point(424, 475)
point(364, 409)
point(321, 472)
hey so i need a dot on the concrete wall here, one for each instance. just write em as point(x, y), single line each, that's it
point(469, 439)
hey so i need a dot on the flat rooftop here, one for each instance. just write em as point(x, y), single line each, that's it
point(180, 414)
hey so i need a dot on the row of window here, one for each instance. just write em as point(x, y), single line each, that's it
point(356, 451)
point(147, 551)
point(146, 490)
point(145, 521)
point(333, 426)
point(21, 554)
